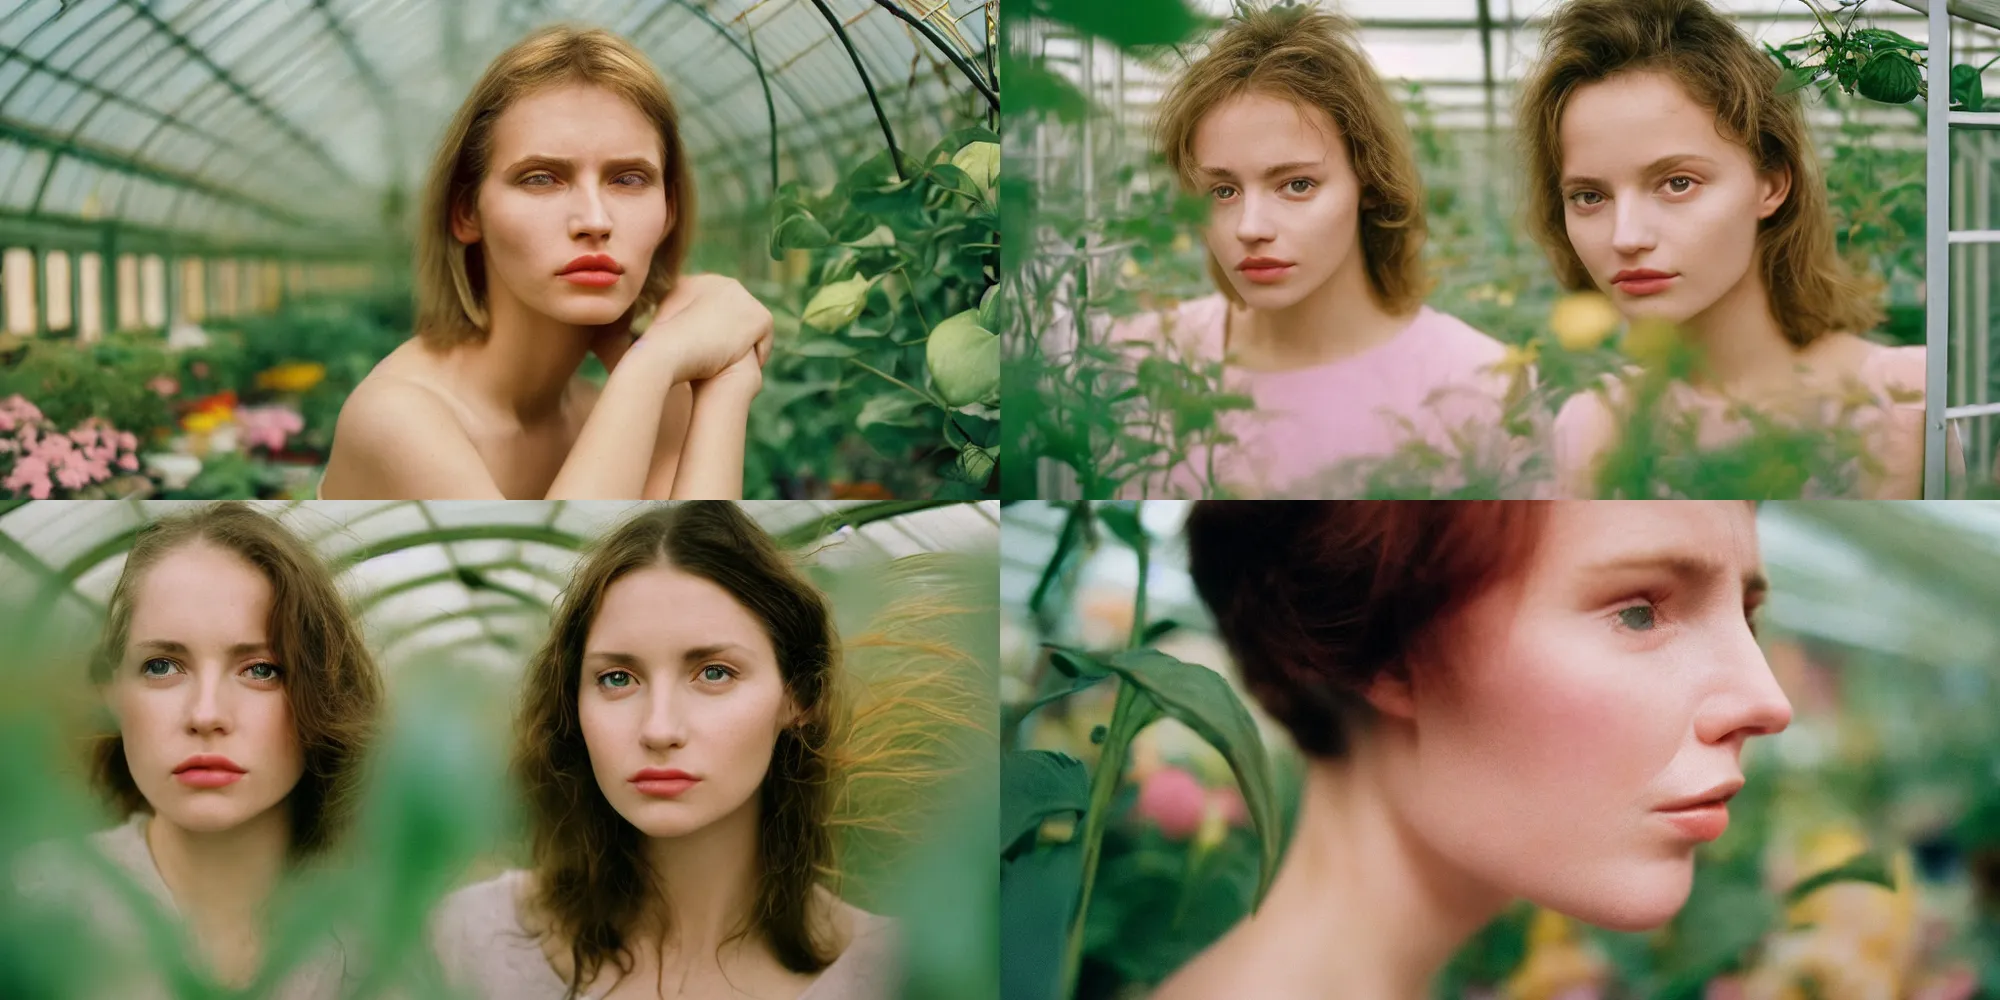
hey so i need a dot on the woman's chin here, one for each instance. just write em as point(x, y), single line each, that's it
point(579, 311)
point(1642, 899)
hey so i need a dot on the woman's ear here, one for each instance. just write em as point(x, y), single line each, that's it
point(1773, 187)
point(1392, 695)
point(465, 223)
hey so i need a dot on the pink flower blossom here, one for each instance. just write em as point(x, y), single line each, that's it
point(1173, 799)
point(163, 385)
point(268, 427)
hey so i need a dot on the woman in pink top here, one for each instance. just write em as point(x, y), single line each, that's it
point(1315, 233)
point(1667, 172)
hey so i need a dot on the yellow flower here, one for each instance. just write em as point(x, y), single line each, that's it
point(292, 376)
point(1557, 962)
point(1581, 321)
point(205, 421)
point(1182, 244)
point(1519, 358)
point(1651, 341)
point(1130, 269)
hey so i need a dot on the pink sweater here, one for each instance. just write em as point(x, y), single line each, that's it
point(1888, 412)
point(1315, 430)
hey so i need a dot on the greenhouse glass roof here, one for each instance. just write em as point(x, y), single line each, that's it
point(473, 578)
point(255, 119)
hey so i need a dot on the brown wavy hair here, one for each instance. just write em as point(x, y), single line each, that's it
point(1813, 291)
point(1314, 58)
point(451, 277)
point(592, 876)
point(330, 678)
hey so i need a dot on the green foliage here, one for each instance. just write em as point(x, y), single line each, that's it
point(1048, 880)
point(857, 392)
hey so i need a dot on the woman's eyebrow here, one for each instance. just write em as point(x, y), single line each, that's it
point(1272, 171)
point(1653, 169)
point(1691, 568)
point(565, 163)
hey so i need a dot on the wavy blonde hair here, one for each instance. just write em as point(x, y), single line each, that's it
point(1813, 291)
point(1314, 58)
point(451, 276)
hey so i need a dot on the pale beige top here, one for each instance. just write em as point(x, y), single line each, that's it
point(59, 873)
point(482, 943)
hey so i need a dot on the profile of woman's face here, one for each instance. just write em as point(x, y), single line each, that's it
point(573, 204)
point(680, 699)
point(198, 697)
point(1570, 711)
point(1661, 208)
point(1284, 201)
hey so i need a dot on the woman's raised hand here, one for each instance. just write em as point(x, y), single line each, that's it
point(704, 327)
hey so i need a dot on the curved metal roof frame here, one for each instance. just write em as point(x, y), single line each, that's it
point(260, 121)
point(472, 576)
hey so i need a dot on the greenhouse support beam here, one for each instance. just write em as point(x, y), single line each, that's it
point(840, 32)
point(234, 86)
point(32, 136)
point(951, 53)
point(1937, 257)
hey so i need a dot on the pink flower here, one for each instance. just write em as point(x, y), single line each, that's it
point(128, 461)
point(1173, 800)
point(268, 427)
point(163, 385)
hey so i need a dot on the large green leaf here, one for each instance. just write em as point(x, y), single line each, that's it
point(1204, 701)
point(1035, 785)
point(1038, 896)
point(1866, 868)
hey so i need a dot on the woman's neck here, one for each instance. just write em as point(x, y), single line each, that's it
point(221, 883)
point(709, 882)
point(1338, 320)
point(1361, 909)
point(1744, 352)
point(525, 365)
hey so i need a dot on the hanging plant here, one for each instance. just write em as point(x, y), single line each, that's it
point(1875, 63)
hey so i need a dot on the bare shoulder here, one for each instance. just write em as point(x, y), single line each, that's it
point(401, 436)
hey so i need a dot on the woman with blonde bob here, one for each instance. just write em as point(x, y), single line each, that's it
point(681, 771)
point(242, 701)
point(1666, 171)
point(1314, 239)
point(554, 226)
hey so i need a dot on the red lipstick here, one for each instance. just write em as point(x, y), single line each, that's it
point(662, 783)
point(208, 770)
point(1642, 281)
point(1265, 270)
point(596, 270)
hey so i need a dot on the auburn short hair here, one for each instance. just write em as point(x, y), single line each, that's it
point(1318, 599)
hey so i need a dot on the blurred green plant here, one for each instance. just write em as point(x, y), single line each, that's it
point(1047, 880)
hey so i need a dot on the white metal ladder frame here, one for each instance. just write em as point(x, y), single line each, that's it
point(1939, 237)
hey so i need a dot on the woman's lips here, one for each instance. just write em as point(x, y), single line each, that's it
point(596, 270)
point(663, 784)
point(208, 771)
point(593, 279)
point(1643, 283)
point(1265, 270)
point(1703, 822)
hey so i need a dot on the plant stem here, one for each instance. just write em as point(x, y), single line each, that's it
point(770, 108)
point(927, 397)
point(1139, 599)
point(840, 32)
point(1103, 785)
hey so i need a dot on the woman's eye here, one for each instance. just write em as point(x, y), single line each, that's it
point(538, 180)
point(1585, 199)
point(164, 667)
point(1223, 193)
point(635, 179)
point(615, 679)
point(1299, 185)
point(714, 674)
point(262, 671)
point(1680, 185)
point(1638, 618)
